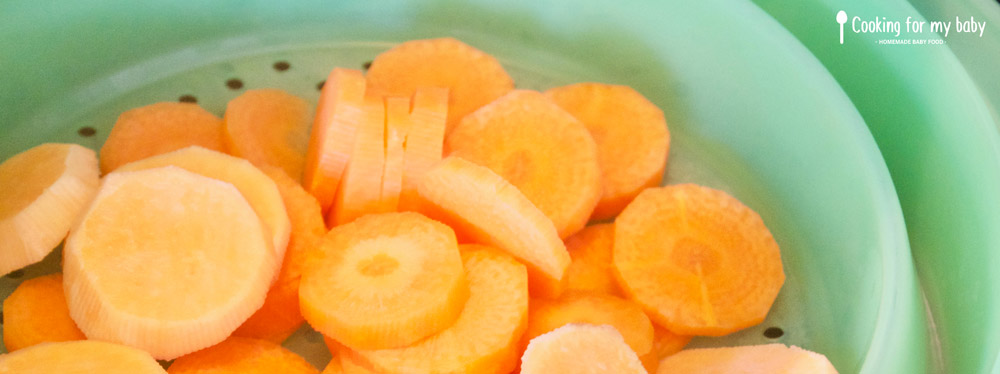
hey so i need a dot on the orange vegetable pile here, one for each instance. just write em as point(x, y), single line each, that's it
point(426, 217)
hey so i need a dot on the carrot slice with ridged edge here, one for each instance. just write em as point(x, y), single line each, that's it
point(269, 127)
point(424, 141)
point(484, 339)
point(360, 190)
point(259, 190)
point(279, 317)
point(385, 281)
point(397, 127)
point(593, 308)
point(631, 135)
point(473, 77)
point(697, 260)
point(753, 359)
point(480, 205)
point(44, 191)
point(160, 128)
point(580, 348)
point(84, 356)
point(539, 148)
point(36, 312)
point(242, 355)
point(338, 115)
point(193, 240)
point(591, 268)
point(665, 343)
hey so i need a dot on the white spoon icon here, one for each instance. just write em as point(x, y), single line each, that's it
point(841, 19)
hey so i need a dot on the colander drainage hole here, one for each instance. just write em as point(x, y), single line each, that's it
point(773, 332)
point(319, 86)
point(367, 65)
point(234, 84)
point(16, 274)
point(187, 99)
point(281, 65)
point(86, 131)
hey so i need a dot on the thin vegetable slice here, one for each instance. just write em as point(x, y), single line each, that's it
point(360, 190)
point(37, 313)
point(160, 128)
point(269, 127)
point(596, 309)
point(338, 115)
point(754, 359)
point(580, 348)
point(243, 356)
point(424, 141)
point(84, 356)
point(591, 268)
point(397, 127)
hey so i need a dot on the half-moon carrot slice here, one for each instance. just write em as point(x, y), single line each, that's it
point(84, 356)
point(160, 128)
point(752, 359)
point(360, 190)
point(580, 348)
point(385, 281)
point(338, 116)
point(482, 206)
point(269, 127)
point(397, 127)
point(665, 343)
point(596, 309)
point(424, 141)
point(697, 260)
point(484, 339)
point(244, 356)
point(37, 313)
point(473, 77)
point(167, 261)
point(592, 269)
point(631, 135)
point(539, 148)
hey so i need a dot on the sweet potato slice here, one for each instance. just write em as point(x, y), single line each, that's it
point(244, 356)
point(160, 128)
point(37, 313)
point(84, 356)
point(269, 127)
point(580, 348)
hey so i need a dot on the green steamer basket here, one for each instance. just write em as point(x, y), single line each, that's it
point(750, 112)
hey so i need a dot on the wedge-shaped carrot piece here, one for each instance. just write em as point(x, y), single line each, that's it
point(397, 127)
point(84, 356)
point(592, 269)
point(259, 190)
point(244, 356)
point(580, 348)
point(596, 309)
point(539, 148)
point(484, 207)
point(37, 313)
point(665, 343)
point(338, 116)
point(45, 189)
point(385, 281)
point(167, 261)
point(484, 338)
point(424, 141)
point(754, 359)
point(160, 128)
point(361, 187)
point(279, 317)
point(631, 135)
point(269, 127)
point(474, 77)
point(697, 260)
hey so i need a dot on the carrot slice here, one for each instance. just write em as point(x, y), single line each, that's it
point(242, 355)
point(84, 356)
point(697, 260)
point(37, 313)
point(334, 367)
point(269, 127)
point(44, 191)
point(424, 141)
point(385, 281)
point(193, 240)
point(361, 186)
point(473, 77)
point(481, 205)
point(580, 348)
point(539, 148)
point(279, 317)
point(397, 127)
point(592, 269)
point(665, 343)
point(350, 365)
point(754, 359)
point(338, 116)
point(259, 190)
point(631, 135)
point(484, 338)
point(596, 309)
point(160, 128)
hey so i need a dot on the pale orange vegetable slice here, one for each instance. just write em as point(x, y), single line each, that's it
point(37, 313)
point(44, 191)
point(596, 309)
point(580, 348)
point(424, 141)
point(397, 127)
point(242, 356)
point(665, 343)
point(160, 128)
point(591, 268)
point(79, 357)
point(269, 127)
point(340, 112)
point(754, 359)
point(360, 190)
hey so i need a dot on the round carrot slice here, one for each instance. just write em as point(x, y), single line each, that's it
point(699, 261)
point(596, 309)
point(160, 128)
point(84, 356)
point(473, 77)
point(580, 348)
point(540, 149)
point(269, 127)
point(631, 136)
point(44, 191)
point(385, 281)
point(591, 268)
point(484, 339)
point(751, 359)
point(36, 313)
point(244, 356)
point(665, 343)
point(167, 261)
